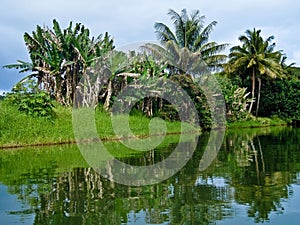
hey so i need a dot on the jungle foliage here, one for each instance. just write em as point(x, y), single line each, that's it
point(62, 61)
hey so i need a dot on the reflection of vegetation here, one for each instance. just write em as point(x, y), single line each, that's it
point(263, 199)
point(264, 169)
point(60, 188)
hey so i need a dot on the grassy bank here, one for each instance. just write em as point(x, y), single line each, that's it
point(18, 129)
point(258, 122)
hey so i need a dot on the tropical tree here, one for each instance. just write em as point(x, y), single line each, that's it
point(179, 61)
point(60, 57)
point(257, 57)
point(191, 34)
point(186, 69)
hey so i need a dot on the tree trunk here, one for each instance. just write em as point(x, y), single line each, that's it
point(253, 89)
point(148, 106)
point(73, 85)
point(109, 93)
point(258, 96)
point(68, 86)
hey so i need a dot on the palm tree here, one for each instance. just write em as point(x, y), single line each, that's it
point(179, 61)
point(191, 34)
point(257, 57)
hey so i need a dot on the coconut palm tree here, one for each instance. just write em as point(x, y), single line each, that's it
point(257, 57)
point(191, 34)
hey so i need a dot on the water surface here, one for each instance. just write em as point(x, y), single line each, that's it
point(255, 178)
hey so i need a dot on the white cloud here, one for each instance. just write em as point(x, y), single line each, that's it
point(3, 92)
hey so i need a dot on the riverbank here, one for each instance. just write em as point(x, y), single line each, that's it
point(258, 122)
point(20, 130)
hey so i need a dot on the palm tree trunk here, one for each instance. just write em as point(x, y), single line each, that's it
point(258, 96)
point(253, 89)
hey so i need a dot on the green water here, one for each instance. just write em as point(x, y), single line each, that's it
point(255, 178)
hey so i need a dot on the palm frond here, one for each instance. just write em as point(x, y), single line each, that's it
point(179, 22)
point(204, 35)
point(21, 65)
point(164, 33)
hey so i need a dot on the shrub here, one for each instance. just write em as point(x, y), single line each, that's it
point(30, 100)
point(236, 99)
point(281, 98)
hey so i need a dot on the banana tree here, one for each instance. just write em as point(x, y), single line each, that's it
point(59, 57)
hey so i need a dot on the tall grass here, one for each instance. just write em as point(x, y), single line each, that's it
point(17, 128)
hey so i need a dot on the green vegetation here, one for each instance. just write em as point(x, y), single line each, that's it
point(29, 99)
point(190, 34)
point(282, 97)
point(258, 122)
point(256, 57)
point(62, 74)
point(18, 129)
point(250, 170)
point(59, 57)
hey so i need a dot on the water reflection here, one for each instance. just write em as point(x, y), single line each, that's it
point(256, 173)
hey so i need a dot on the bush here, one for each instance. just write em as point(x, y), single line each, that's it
point(30, 100)
point(236, 99)
point(281, 98)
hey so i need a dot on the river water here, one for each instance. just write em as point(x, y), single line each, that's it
point(254, 179)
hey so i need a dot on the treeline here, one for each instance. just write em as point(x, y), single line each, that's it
point(254, 77)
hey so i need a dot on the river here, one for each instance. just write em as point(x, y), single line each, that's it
point(254, 179)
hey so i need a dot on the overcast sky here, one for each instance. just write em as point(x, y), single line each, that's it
point(132, 20)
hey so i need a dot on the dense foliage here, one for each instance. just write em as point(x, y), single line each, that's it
point(255, 58)
point(237, 99)
point(281, 98)
point(31, 100)
point(61, 60)
point(191, 34)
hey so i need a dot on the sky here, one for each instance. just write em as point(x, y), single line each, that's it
point(131, 21)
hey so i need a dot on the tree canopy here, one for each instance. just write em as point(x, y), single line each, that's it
point(191, 33)
point(256, 57)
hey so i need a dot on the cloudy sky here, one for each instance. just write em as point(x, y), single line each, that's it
point(130, 21)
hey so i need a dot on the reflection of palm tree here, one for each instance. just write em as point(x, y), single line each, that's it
point(261, 155)
point(88, 198)
point(253, 186)
point(254, 152)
